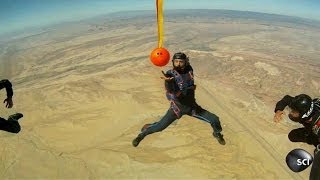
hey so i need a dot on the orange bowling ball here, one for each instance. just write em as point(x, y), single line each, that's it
point(160, 56)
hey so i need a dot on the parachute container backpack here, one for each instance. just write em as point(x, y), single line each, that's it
point(160, 56)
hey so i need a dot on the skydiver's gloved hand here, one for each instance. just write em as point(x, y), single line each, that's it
point(166, 77)
point(8, 102)
point(278, 116)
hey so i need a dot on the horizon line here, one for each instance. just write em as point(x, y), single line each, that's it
point(141, 10)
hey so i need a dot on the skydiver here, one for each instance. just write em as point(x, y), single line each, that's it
point(12, 124)
point(180, 91)
point(305, 111)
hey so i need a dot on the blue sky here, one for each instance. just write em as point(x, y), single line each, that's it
point(17, 14)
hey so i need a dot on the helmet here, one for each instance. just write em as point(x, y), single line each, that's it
point(180, 55)
point(302, 104)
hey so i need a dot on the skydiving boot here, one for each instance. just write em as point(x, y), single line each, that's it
point(219, 137)
point(15, 117)
point(137, 140)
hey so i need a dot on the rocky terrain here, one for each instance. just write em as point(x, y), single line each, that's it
point(86, 88)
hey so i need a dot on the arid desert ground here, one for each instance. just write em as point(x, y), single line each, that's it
point(86, 88)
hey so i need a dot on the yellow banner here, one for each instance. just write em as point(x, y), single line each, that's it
point(160, 22)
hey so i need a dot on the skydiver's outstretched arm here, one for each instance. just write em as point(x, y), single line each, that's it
point(5, 83)
point(285, 101)
point(166, 76)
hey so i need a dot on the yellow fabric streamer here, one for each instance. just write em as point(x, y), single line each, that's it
point(160, 22)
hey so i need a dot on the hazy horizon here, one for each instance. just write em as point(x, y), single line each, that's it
point(17, 15)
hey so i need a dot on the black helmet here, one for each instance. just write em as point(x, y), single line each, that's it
point(302, 104)
point(180, 55)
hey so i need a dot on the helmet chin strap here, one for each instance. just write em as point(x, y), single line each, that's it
point(307, 114)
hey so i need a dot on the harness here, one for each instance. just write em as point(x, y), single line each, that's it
point(184, 83)
point(316, 121)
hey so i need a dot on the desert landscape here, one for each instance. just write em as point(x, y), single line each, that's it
point(86, 88)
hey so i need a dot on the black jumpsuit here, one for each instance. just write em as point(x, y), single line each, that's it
point(310, 133)
point(5, 125)
point(187, 105)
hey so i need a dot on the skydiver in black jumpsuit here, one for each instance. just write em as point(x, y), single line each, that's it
point(180, 88)
point(11, 125)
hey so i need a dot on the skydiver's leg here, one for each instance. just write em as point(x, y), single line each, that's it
point(315, 172)
point(10, 125)
point(208, 117)
point(165, 121)
point(301, 135)
point(212, 119)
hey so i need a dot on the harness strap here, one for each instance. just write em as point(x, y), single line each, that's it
point(175, 109)
point(179, 80)
point(316, 126)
